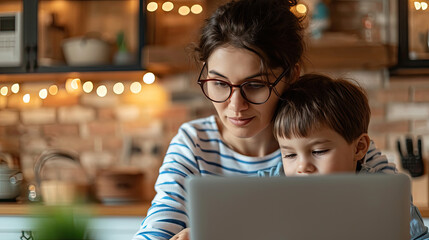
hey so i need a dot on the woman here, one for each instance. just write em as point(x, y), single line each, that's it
point(251, 50)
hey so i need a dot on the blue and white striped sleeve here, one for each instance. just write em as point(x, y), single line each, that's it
point(167, 214)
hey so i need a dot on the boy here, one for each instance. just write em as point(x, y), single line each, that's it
point(322, 128)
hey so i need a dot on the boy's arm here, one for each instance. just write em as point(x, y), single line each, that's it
point(418, 230)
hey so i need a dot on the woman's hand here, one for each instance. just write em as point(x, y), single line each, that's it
point(182, 235)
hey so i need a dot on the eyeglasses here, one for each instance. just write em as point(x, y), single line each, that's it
point(254, 91)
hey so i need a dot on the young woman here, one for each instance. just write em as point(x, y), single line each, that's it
point(251, 50)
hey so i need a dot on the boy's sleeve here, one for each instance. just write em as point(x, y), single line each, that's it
point(418, 230)
point(272, 172)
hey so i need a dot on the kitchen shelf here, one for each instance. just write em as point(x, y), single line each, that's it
point(140, 209)
point(8, 209)
point(59, 77)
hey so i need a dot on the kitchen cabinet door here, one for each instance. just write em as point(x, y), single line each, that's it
point(77, 36)
point(413, 32)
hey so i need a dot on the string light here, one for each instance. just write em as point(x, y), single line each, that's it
point(15, 88)
point(167, 6)
point(149, 78)
point(53, 90)
point(424, 6)
point(301, 8)
point(196, 9)
point(102, 91)
point(4, 91)
point(135, 87)
point(152, 6)
point(184, 10)
point(118, 88)
point(417, 5)
point(26, 98)
point(88, 87)
point(43, 93)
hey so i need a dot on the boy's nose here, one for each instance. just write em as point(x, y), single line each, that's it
point(237, 102)
point(305, 167)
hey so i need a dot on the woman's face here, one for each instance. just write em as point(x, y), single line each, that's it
point(238, 117)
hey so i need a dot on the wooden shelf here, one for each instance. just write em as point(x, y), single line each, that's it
point(61, 77)
point(140, 210)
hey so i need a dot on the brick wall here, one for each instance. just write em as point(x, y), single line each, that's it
point(102, 130)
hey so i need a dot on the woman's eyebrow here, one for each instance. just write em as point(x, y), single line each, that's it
point(249, 77)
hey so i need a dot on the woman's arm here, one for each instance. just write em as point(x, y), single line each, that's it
point(167, 214)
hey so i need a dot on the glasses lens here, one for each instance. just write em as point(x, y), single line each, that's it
point(255, 91)
point(217, 91)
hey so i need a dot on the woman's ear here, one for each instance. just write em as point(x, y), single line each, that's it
point(361, 146)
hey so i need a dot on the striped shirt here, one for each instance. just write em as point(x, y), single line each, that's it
point(198, 149)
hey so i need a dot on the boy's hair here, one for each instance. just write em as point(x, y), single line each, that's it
point(317, 100)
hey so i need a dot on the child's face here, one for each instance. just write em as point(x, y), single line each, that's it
point(323, 151)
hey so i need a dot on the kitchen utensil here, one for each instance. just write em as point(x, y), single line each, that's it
point(119, 185)
point(411, 161)
point(10, 179)
point(62, 189)
point(86, 51)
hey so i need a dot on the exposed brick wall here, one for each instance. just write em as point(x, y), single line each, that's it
point(99, 128)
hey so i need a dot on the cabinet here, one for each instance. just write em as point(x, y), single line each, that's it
point(77, 35)
point(413, 32)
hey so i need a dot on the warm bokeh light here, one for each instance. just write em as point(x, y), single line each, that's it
point(15, 88)
point(26, 98)
point(152, 6)
point(417, 5)
point(118, 88)
point(88, 87)
point(135, 87)
point(75, 83)
point(424, 5)
point(43, 93)
point(53, 90)
point(196, 9)
point(184, 10)
point(73, 86)
point(4, 91)
point(301, 8)
point(102, 91)
point(149, 78)
point(167, 6)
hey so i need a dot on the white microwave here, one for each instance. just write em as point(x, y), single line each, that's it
point(10, 39)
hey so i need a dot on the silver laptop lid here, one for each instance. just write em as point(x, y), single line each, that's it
point(370, 207)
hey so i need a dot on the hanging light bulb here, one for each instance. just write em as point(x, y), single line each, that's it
point(135, 87)
point(196, 9)
point(167, 6)
point(424, 5)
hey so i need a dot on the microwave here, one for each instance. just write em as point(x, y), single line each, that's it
point(10, 39)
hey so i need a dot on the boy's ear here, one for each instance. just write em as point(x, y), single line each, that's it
point(361, 146)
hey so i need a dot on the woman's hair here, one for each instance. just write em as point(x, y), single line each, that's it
point(315, 101)
point(265, 27)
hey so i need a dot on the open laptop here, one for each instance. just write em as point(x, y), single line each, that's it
point(334, 207)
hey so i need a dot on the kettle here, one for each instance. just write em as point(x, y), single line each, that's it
point(10, 179)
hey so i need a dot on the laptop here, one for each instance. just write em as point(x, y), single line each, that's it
point(334, 207)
